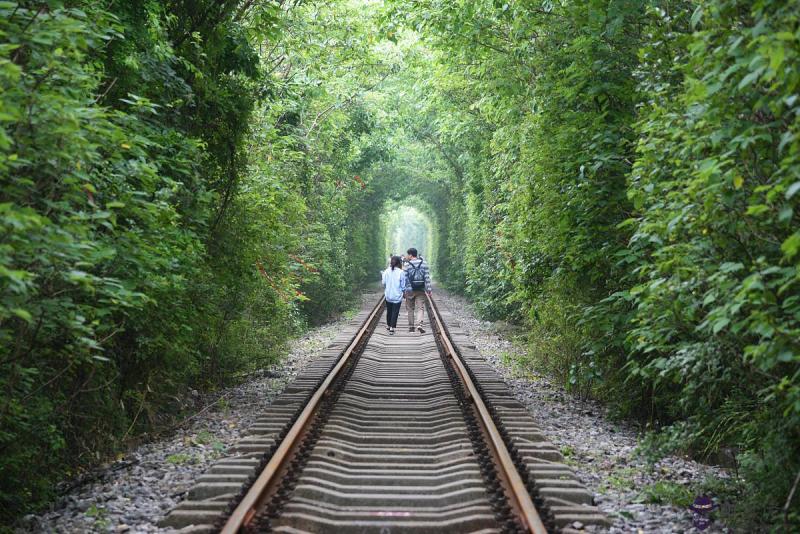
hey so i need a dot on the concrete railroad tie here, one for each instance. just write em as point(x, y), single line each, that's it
point(394, 454)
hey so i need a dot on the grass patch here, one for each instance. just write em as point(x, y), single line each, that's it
point(569, 456)
point(620, 480)
point(665, 492)
point(99, 514)
point(180, 458)
point(204, 437)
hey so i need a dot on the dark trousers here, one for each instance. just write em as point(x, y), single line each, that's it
point(392, 312)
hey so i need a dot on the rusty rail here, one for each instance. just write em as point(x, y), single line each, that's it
point(515, 488)
point(269, 478)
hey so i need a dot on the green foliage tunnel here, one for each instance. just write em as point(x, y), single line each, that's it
point(185, 185)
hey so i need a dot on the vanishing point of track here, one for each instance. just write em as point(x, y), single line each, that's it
point(399, 435)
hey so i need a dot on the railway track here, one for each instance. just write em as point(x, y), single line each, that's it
point(404, 433)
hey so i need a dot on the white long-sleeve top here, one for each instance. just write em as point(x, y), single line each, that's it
point(394, 284)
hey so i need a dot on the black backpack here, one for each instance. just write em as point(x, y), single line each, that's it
point(416, 276)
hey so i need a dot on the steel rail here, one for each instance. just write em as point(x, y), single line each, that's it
point(269, 477)
point(518, 493)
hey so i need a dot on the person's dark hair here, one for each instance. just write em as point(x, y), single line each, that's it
point(396, 262)
point(412, 252)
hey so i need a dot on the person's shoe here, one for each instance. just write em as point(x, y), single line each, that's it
point(411, 328)
point(391, 331)
point(421, 330)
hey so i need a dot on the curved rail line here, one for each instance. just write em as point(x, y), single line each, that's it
point(269, 481)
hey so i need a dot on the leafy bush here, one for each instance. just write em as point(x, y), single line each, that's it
point(181, 193)
point(79, 184)
point(630, 187)
point(716, 323)
point(127, 266)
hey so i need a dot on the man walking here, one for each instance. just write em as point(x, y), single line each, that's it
point(418, 283)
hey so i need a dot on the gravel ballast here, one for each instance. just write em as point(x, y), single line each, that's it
point(135, 492)
point(601, 451)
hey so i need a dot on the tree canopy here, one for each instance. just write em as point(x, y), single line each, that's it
point(188, 184)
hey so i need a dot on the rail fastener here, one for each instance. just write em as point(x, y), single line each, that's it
point(269, 478)
point(515, 488)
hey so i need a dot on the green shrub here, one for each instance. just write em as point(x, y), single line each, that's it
point(629, 188)
point(111, 191)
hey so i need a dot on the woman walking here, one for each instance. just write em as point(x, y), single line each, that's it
point(394, 284)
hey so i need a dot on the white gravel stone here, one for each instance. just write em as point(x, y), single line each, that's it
point(135, 492)
point(602, 451)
